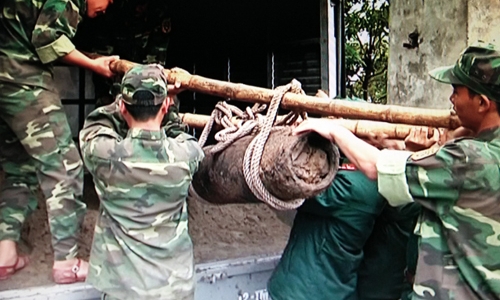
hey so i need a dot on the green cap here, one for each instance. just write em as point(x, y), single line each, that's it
point(477, 68)
point(144, 85)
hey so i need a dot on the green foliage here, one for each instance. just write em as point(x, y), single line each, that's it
point(367, 48)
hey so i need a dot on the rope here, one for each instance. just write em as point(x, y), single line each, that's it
point(251, 122)
point(253, 154)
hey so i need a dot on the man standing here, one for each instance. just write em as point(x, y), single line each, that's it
point(36, 145)
point(457, 184)
point(142, 172)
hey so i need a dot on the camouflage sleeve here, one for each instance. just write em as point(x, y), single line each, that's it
point(55, 26)
point(439, 174)
point(391, 170)
point(194, 152)
point(100, 133)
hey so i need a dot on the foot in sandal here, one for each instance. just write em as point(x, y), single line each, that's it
point(8, 270)
point(70, 271)
point(10, 260)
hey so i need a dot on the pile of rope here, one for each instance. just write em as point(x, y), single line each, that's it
point(252, 122)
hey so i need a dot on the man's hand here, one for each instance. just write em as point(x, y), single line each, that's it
point(323, 127)
point(100, 65)
point(421, 138)
point(322, 94)
point(382, 142)
point(176, 88)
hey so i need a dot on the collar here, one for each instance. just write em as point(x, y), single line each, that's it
point(489, 134)
point(143, 134)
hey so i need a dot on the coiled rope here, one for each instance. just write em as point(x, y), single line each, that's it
point(251, 121)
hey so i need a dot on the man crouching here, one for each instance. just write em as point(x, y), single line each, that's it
point(141, 247)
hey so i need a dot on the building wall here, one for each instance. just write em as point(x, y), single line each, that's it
point(445, 28)
point(483, 21)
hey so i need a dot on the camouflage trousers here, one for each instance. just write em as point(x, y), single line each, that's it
point(37, 152)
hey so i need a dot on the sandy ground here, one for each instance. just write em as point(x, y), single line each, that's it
point(219, 232)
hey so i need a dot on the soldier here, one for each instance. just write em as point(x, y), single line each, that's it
point(326, 242)
point(457, 184)
point(339, 238)
point(36, 143)
point(141, 247)
point(135, 30)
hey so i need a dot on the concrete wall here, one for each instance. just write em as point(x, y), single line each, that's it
point(445, 28)
point(483, 21)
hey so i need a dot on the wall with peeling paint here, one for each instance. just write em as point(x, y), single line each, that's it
point(444, 29)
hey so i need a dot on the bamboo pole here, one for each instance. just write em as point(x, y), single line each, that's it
point(339, 108)
point(361, 128)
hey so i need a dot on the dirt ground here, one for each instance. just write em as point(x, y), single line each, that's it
point(218, 232)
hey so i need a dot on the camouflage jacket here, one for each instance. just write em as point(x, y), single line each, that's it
point(136, 30)
point(33, 34)
point(458, 186)
point(141, 247)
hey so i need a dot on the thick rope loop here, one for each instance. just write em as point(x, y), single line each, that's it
point(252, 122)
point(253, 154)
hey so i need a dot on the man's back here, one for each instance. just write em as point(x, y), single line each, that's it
point(325, 248)
point(141, 247)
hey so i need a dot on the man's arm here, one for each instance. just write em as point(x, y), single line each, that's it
point(363, 155)
point(388, 166)
point(187, 149)
point(55, 26)
point(101, 133)
point(98, 65)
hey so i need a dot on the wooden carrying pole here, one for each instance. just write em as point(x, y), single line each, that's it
point(339, 108)
point(361, 128)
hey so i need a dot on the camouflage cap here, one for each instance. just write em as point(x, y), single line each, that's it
point(478, 68)
point(144, 85)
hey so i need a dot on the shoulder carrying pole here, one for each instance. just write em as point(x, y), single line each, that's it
point(339, 108)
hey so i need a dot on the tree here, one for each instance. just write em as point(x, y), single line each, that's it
point(367, 47)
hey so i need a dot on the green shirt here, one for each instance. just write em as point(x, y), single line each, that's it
point(325, 247)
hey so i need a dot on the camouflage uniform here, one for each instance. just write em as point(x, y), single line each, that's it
point(36, 145)
point(141, 247)
point(458, 186)
point(136, 30)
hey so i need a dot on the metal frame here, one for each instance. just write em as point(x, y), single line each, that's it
point(235, 279)
point(332, 42)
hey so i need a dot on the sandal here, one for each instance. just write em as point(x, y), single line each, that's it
point(69, 276)
point(7, 271)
